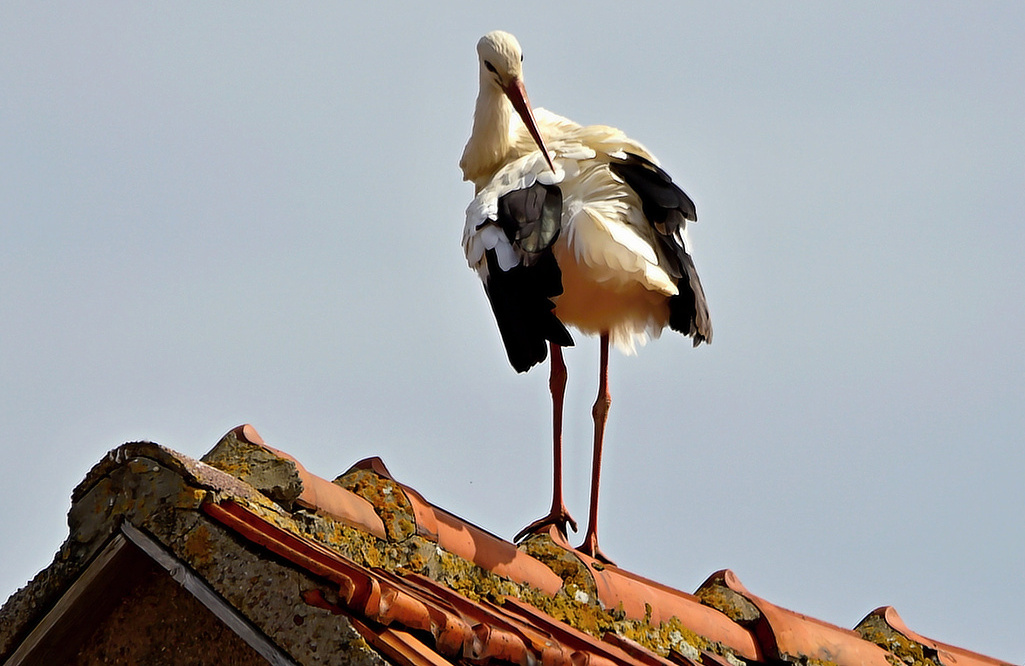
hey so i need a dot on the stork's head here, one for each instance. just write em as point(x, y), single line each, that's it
point(501, 59)
point(501, 65)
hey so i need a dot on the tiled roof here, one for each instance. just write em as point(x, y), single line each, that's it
point(422, 586)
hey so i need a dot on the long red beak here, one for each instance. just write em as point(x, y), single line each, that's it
point(517, 94)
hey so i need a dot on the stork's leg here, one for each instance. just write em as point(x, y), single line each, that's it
point(558, 516)
point(601, 415)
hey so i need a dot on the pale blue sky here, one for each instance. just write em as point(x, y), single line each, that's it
point(211, 216)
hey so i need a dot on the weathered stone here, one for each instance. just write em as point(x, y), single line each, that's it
point(275, 477)
point(269, 594)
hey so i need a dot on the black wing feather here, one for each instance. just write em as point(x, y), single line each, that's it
point(531, 219)
point(521, 297)
point(668, 208)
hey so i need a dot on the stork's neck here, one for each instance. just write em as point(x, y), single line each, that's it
point(490, 140)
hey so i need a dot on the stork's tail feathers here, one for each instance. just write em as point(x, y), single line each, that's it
point(688, 311)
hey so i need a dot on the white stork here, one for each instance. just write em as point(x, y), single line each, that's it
point(572, 226)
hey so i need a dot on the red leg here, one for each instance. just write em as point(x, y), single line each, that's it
point(558, 516)
point(601, 415)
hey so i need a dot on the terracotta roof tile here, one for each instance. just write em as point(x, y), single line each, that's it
point(886, 628)
point(468, 541)
point(791, 636)
point(401, 646)
point(730, 622)
point(641, 597)
point(641, 653)
point(320, 494)
point(423, 512)
point(425, 587)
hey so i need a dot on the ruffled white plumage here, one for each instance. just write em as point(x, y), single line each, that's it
point(613, 275)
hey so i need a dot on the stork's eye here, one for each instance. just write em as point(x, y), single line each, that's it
point(521, 57)
point(491, 68)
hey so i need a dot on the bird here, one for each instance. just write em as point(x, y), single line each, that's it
point(572, 226)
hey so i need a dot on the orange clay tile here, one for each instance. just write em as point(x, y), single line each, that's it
point(640, 596)
point(639, 652)
point(949, 655)
point(793, 636)
point(401, 646)
point(309, 555)
point(322, 495)
point(584, 646)
point(493, 554)
point(387, 599)
point(469, 541)
point(423, 511)
point(518, 633)
point(505, 626)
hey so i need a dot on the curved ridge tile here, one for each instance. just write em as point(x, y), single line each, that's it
point(882, 623)
point(793, 636)
point(465, 539)
point(643, 599)
point(318, 494)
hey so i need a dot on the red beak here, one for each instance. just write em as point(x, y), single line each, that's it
point(517, 94)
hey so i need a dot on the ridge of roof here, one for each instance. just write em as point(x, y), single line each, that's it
point(423, 586)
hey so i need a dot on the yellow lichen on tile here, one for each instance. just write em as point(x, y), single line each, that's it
point(388, 499)
point(732, 604)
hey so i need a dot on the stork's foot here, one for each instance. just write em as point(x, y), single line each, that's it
point(590, 547)
point(558, 518)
